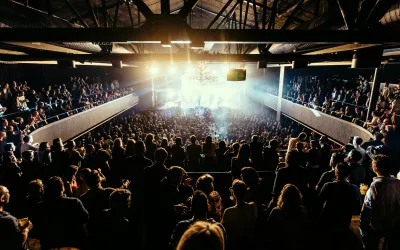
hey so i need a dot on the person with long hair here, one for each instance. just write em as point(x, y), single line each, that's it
point(130, 148)
point(151, 146)
point(287, 224)
point(202, 235)
point(241, 160)
point(205, 183)
point(253, 193)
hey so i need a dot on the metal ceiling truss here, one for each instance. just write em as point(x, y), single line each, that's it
point(294, 12)
point(219, 14)
point(383, 35)
point(92, 14)
point(105, 12)
point(228, 15)
point(180, 57)
point(116, 15)
point(73, 10)
point(130, 13)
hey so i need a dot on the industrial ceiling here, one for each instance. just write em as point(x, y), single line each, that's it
point(276, 31)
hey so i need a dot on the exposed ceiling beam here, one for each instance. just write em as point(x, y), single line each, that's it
point(294, 12)
point(213, 13)
point(116, 15)
point(43, 47)
point(255, 14)
point(246, 14)
point(105, 12)
point(228, 15)
point(372, 36)
point(165, 7)
point(93, 15)
point(219, 14)
point(130, 13)
point(341, 48)
point(259, 5)
point(348, 11)
point(167, 57)
point(187, 8)
point(88, 14)
point(143, 8)
point(71, 7)
point(271, 24)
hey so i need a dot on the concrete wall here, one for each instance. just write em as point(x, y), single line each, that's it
point(334, 127)
point(71, 126)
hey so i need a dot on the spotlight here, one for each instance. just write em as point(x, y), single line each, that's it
point(153, 70)
point(172, 69)
point(225, 69)
point(190, 70)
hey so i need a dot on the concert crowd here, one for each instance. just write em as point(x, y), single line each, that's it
point(347, 98)
point(199, 179)
point(24, 108)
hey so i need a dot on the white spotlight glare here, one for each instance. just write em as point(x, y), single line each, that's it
point(172, 70)
point(225, 69)
point(153, 70)
point(190, 70)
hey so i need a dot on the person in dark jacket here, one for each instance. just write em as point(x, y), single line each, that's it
point(61, 219)
point(241, 160)
point(291, 174)
point(357, 175)
point(271, 156)
point(109, 229)
point(256, 149)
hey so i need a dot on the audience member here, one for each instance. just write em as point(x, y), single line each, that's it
point(13, 232)
point(287, 225)
point(240, 220)
point(380, 211)
point(202, 235)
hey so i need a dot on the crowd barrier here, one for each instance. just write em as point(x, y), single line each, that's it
point(69, 127)
point(333, 127)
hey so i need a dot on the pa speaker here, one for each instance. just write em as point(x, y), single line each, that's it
point(261, 65)
point(66, 64)
point(299, 64)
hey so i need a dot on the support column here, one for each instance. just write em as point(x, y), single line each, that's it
point(280, 93)
point(374, 92)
